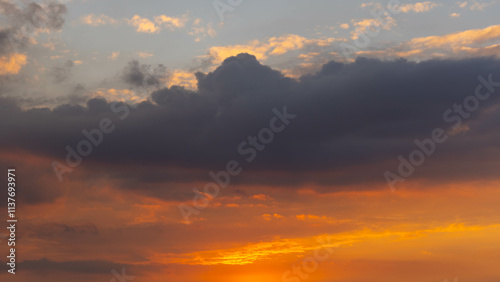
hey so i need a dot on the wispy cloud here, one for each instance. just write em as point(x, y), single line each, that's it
point(143, 25)
point(201, 30)
point(270, 47)
point(145, 55)
point(98, 20)
point(420, 7)
point(12, 64)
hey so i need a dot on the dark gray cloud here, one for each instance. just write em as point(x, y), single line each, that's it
point(144, 75)
point(353, 120)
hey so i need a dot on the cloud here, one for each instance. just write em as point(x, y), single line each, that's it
point(419, 7)
point(463, 44)
point(261, 197)
point(171, 22)
point(271, 47)
point(480, 5)
point(145, 55)
point(366, 25)
point(12, 64)
point(199, 30)
point(468, 37)
point(25, 23)
point(63, 72)
point(124, 95)
point(182, 78)
point(344, 26)
point(114, 55)
point(98, 20)
point(350, 117)
point(462, 4)
point(143, 25)
point(454, 15)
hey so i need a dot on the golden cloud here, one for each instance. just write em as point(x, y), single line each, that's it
point(273, 46)
point(12, 64)
point(143, 25)
point(184, 79)
point(97, 20)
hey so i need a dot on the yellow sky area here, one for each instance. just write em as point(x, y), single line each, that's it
point(12, 63)
point(433, 254)
point(256, 252)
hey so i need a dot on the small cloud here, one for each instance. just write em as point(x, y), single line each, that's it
point(301, 217)
point(12, 64)
point(362, 26)
point(182, 78)
point(145, 55)
point(479, 6)
point(268, 217)
point(372, 4)
point(420, 7)
point(199, 30)
point(113, 56)
point(78, 62)
point(261, 197)
point(97, 20)
point(454, 15)
point(171, 22)
point(462, 4)
point(344, 26)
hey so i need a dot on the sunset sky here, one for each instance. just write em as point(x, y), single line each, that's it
point(234, 140)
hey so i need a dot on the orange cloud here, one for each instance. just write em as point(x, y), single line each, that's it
point(171, 22)
point(419, 7)
point(182, 78)
point(255, 252)
point(468, 37)
point(145, 55)
point(261, 197)
point(143, 25)
point(125, 95)
point(362, 26)
point(12, 64)
point(272, 47)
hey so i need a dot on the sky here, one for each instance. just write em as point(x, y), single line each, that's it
point(233, 140)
